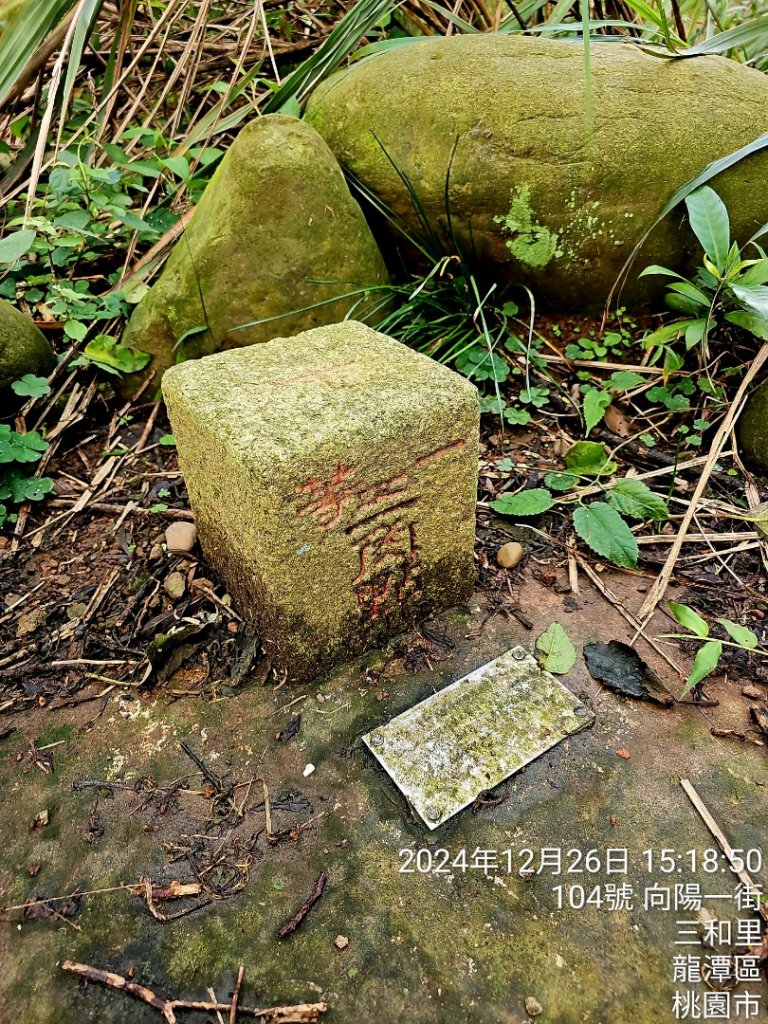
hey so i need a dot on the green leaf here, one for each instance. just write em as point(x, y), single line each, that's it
point(625, 380)
point(709, 221)
point(635, 499)
point(291, 107)
point(30, 488)
point(603, 529)
point(525, 503)
point(178, 165)
point(517, 417)
point(30, 386)
point(167, 439)
point(16, 245)
point(588, 458)
point(707, 657)
point(743, 637)
point(595, 404)
point(556, 652)
point(750, 322)
point(560, 481)
point(112, 357)
point(75, 330)
point(689, 619)
point(20, 447)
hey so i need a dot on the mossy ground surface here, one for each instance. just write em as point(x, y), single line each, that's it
point(423, 948)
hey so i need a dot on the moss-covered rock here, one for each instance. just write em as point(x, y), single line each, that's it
point(23, 348)
point(531, 192)
point(275, 232)
point(752, 431)
point(333, 479)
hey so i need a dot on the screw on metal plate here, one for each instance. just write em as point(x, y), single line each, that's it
point(519, 653)
point(434, 813)
point(377, 740)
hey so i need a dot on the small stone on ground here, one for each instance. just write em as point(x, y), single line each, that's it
point(180, 538)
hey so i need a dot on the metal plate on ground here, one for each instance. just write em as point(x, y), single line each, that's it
point(475, 733)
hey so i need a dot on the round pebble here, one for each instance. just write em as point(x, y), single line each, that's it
point(175, 584)
point(533, 1007)
point(180, 537)
point(341, 942)
point(510, 554)
point(308, 770)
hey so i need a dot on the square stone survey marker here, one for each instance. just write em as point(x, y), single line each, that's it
point(474, 734)
point(333, 480)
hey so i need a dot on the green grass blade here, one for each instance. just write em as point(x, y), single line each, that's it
point(27, 30)
point(339, 45)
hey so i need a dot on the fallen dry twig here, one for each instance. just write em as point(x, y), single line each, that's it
point(304, 909)
point(722, 842)
point(723, 432)
point(301, 1013)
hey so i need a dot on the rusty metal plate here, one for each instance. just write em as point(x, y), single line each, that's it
point(475, 733)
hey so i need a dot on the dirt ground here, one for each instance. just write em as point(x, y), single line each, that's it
point(125, 803)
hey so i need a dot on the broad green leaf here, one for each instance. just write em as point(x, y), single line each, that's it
point(178, 165)
point(603, 529)
point(709, 220)
point(167, 439)
point(751, 322)
point(16, 245)
point(30, 488)
point(754, 297)
point(757, 273)
point(625, 380)
point(689, 619)
point(20, 447)
point(696, 296)
point(30, 386)
point(525, 503)
point(588, 458)
point(595, 404)
point(740, 634)
point(634, 498)
point(112, 357)
point(556, 652)
point(517, 417)
point(560, 481)
point(75, 330)
point(706, 660)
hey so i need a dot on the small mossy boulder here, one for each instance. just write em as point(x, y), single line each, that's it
point(23, 348)
point(275, 233)
point(495, 128)
point(752, 431)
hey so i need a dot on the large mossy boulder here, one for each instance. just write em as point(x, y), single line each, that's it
point(494, 128)
point(23, 348)
point(275, 233)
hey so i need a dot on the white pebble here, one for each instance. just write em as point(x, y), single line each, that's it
point(309, 769)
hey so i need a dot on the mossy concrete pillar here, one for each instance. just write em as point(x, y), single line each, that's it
point(333, 480)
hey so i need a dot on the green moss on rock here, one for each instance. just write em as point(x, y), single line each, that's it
point(23, 348)
point(333, 480)
point(275, 232)
point(530, 195)
point(752, 431)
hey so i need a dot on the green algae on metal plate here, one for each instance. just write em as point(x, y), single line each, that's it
point(475, 733)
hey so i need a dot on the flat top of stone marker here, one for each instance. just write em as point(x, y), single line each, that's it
point(343, 380)
point(469, 737)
